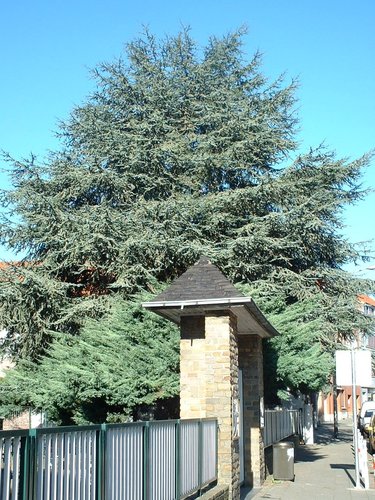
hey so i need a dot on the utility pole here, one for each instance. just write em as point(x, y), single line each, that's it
point(354, 410)
point(359, 361)
point(335, 414)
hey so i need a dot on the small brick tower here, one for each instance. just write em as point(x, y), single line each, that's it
point(221, 343)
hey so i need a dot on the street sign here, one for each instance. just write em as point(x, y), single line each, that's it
point(362, 368)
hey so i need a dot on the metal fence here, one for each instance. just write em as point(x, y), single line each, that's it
point(280, 424)
point(159, 460)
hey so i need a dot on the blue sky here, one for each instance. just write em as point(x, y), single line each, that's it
point(48, 47)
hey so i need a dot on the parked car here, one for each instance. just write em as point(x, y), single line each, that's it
point(366, 423)
point(365, 415)
point(371, 435)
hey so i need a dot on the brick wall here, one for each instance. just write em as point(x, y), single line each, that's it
point(251, 363)
point(192, 367)
point(211, 353)
point(219, 492)
point(209, 383)
point(21, 421)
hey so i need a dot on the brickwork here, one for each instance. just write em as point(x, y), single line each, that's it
point(219, 492)
point(21, 421)
point(192, 367)
point(251, 363)
point(222, 389)
point(209, 384)
point(211, 353)
point(235, 407)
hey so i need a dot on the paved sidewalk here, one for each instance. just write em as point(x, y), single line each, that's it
point(324, 470)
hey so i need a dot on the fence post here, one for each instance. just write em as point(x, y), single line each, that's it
point(200, 455)
point(24, 477)
point(31, 469)
point(217, 449)
point(102, 433)
point(146, 462)
point(178, 459)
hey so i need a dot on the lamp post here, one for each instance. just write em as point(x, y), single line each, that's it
point(354, 412)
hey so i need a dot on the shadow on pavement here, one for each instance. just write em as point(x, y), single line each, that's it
point(324, 434)
point(304, 453)
point(346, 468)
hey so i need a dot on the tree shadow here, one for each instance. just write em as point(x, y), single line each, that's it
point(325, 434)
point(304, 453)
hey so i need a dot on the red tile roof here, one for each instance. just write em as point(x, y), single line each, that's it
point(365, 299)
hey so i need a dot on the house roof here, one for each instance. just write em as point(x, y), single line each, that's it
point(17, 263)
point(365, 299)
point(204, 288)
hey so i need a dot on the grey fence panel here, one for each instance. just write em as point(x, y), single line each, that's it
point(124, 462)
point(16, 467)
point(6, 470)
point(275, 427)
point(162, 460)
point(279, 424)
point(267, 434)
point(189, 456)
point(209, 451)
point(66, 465)
point(10, 465)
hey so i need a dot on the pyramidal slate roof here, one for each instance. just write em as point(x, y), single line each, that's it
point(203, 288)
point(202, 281)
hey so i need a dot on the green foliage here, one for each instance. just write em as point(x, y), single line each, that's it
point(181, 152)
point(304, 359)
point(301, 357)
point(116, 365)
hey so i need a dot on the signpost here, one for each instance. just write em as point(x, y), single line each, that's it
point(359, 374)
point(355, 412)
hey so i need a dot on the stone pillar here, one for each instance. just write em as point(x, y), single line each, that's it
point(251, 363)
point(192, 367)
point(209, 383)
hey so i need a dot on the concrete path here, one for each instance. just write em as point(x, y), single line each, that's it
point(324, 470)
